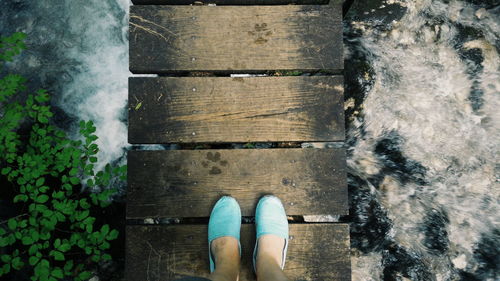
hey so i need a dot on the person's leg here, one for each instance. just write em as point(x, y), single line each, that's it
point(272, 239)
point(227, 259)
point(223, 238)
point(269, 258)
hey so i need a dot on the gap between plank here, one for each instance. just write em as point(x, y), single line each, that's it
point(248, 145)
point(245, 220)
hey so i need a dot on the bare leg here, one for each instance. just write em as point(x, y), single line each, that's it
point(227, 259)
point(269, 254)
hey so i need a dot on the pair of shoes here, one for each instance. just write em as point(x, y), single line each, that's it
point(225, 220)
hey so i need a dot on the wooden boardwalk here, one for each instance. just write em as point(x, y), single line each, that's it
point(194, 100)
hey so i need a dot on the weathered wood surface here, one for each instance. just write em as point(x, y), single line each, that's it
point(166, 39)
point(187, 183)
point(224, 109)
point(229, 2)
point(163, 253)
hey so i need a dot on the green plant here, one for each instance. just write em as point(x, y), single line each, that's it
point(249, 145)
point(56, 233)
point(288, 73)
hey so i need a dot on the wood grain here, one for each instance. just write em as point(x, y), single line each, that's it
point(224, 109)
point(187, 183)
point(167, 39)
point(163, 253)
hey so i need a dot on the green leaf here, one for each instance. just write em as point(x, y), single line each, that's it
point(20, 198)
point(64, 247)
point(6, 268)
point(74, 180)
point(58, 256)
point(42, 119)
point(81, 243)
point(58, 195)
point(42, 269)
point(89, 228)
point(45, 235)
point(17, 263)
point(27, 240)
point(42, 198)
point(106, 257)
point(23, 223)
point(60, 216)
point(6, 170)
point(138, 106)
point(104, 230)
point(68, 266)
point(57, 243)
point(113, 234)
point(47, 213)
point(33, 260)
point(45, 263)
point(82, 215)
point(73, 172)
point(85, 275)
point(12, 224)
point(88, 250)
point(33, 249)
point(105, 245)
point(5, 258)
point(40, 181)
point(57, 272)
point(84, 204)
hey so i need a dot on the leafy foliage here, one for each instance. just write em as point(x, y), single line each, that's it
point(56, 234)
point(11, 46)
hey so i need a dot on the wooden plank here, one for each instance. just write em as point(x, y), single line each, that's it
point(187, 183)
point(225, 109)
point(228, 2)
point(164, 253)
point(165, 39)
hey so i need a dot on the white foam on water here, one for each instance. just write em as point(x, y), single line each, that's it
point(366, 267)
point(422, 92)
point(99, 91)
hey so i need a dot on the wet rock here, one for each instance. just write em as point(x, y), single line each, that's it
point(359, 77)
point(399, 262)
point(369, 223)
point(488, 4)
point(376, 11)
point(487, 254)
point(486, 258)
point(394, 163)
point(436, 236)
point(473, 59)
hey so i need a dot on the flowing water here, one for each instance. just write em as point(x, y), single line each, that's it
point(422, 104)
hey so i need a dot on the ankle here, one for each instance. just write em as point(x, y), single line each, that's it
point(225, 248)
point(269, 269)
point(225, 251)
point(270, 249)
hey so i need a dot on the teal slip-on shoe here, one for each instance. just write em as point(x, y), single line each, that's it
point(225, 220)
point(270, 218)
